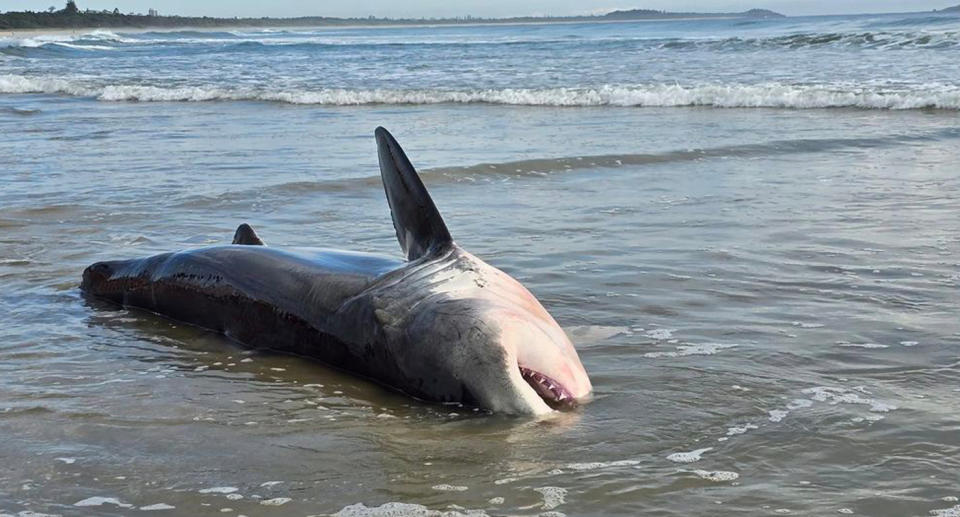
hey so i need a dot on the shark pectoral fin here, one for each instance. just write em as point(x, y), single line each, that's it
point(246, 235)
point(420, 229)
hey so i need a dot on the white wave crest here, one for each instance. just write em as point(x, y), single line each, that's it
point(767, 95)
point(35, 41)
point(84, 47)
point(66, 40)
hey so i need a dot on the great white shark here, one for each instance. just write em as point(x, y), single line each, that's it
point(441, 325)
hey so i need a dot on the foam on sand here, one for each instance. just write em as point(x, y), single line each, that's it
point(449, 488)
point(157, 507)
point(276, 501)
point(691, 349)
point(659, 334)
point(716, 476)
point(219, 490)
point(688, 457)
point(777, 415)
point(100, 501)
point(947, 512)
point(552, 496)
point(863, 345)
point(596, 465)
point(740, 429)
point(836, 396)
point(401, 510)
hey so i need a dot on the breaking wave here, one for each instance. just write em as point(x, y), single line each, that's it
point(216, 41)
point(101, 38)
point(765, 95)
point(883, 40)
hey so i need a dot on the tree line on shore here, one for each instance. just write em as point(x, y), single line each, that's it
point(72, 17)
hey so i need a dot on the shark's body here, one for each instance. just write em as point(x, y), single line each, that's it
point(441, 326)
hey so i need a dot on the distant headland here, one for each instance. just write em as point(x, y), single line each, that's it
point(72, 17)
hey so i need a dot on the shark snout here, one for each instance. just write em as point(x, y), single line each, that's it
point(100, 279)
point(95, 275)
point(548, 362)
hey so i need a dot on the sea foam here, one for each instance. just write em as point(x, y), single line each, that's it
point(864, 39)
point(765, 95)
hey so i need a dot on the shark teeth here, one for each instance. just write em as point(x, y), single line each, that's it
point(551, 391)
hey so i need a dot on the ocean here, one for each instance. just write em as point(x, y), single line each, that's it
point(749, 228)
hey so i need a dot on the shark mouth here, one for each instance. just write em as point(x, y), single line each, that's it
point(551, 391)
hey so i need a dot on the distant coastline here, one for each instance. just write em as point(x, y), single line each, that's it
point(71, 17)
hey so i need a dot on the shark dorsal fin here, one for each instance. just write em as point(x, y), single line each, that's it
point(420, 229)
point(246, 235)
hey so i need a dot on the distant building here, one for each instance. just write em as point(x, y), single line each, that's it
point(153, 12)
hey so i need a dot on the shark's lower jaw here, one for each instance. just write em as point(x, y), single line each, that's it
point(551, 391)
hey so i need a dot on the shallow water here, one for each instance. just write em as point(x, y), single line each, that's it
point(765, 299)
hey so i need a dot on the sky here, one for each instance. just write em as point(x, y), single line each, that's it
point(484, 8)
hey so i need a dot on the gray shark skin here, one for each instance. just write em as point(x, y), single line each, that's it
point(441, 326)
